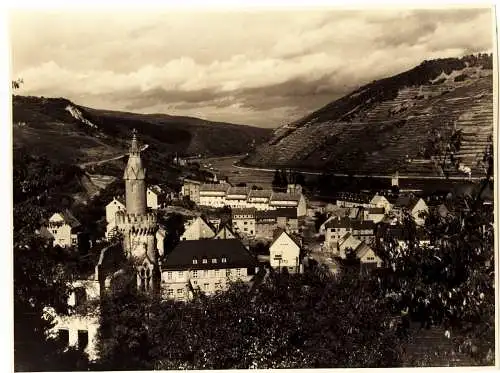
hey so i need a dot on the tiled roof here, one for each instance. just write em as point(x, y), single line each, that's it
point(376, 210)
point(260, 193)
point(286, 212)
point(237, 191)
point(280, 196)
point(206, 187)
point(265, 214)
point(156, 189)
point(244, 211)
point(181, 257)
point(345, 222)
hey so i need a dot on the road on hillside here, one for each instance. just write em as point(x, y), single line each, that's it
point(115, 158)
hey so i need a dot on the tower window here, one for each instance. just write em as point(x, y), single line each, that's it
point(195, 261)
point(214, 260)
point(224, 259)
point(204, 260)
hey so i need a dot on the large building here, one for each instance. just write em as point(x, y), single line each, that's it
point(63, 229)
point(222, 194)
point(206, 266)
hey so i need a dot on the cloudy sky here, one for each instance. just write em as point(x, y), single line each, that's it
point(261, 68)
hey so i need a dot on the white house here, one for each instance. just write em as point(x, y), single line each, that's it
point(244, 221)
point(367, 256)
point(63, 228)
point(155, 197)
point(236, 197)
point(287, 200)
point(344, 244)
point(379, 201)
point(191, 189)
point(197, 230)
point(207, 266)
point(284, 252)
point(213, 195)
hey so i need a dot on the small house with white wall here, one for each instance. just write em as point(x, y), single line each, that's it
point(198, 229)
point(284, 253)
point(63, 229)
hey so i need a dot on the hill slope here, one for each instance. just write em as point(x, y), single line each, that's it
point(62, 130)
point(383, 126)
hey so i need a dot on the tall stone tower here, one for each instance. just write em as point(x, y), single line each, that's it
point(137, 225)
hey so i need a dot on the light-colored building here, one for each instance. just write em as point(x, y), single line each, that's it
point(284, 253)
point(213, 195)
point(236, 197)
point(191, 189)
point(375, 214)
point(243, 221)
point(206, 266)
point(415, 206)
point(155, 197)
point(379, 201)
point(259, 199)
point(198, 229)
point(353, 200)
point(63, 229)
point(287, 200)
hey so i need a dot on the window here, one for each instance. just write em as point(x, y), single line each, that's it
point(214, 260)
point(216, 272)
point(195, 261)
point(224, 259)
point(80, 296)
point(170, 292)
point(228, 272)
point(179, 291)
point(83, 339)
point(205, 273)
point(195, 282)
point(370, 258)
point(204, 261)
point(251, 232)
point(195, 274)
point(277, 257)
point(63, 336)
point(245, 223)
point(205, 286)
point(238, 272)
point(169, 275)
point(218, 285)
point(179, 274)
point(245, 229)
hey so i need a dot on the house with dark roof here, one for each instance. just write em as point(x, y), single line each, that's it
point(335, 229)
point(416, 207)
point(63, 229)
point(225, 233)
point(156, 197)
point(206, 266)
point(402, 235)
point(191, 190)
point(346, 199)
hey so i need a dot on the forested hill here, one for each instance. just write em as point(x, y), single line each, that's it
point(384, 126)
point(62, 130)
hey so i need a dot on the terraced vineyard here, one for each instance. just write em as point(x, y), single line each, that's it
point(384, 129)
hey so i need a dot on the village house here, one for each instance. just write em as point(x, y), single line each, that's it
point(213, 195)
point(375, 214)
point(155, 197)
point(367, 257)
point(220, 195)
point(416, 207)
point(285, 253)
point(206, 266)
point(225, 233)
point(379, 201)
point(401, 236)
point(63, 229)
point(198, 229)
point(335, 229)
point(353, 200)
point(244, 221)
point(191, 189)
point(265, 224)
point(287, 219)
point(236, 197)
point(259, 199)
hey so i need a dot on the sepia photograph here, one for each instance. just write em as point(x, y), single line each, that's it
point(253, 188)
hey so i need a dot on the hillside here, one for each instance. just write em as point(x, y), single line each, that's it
point(384, 126)
point(62, 130)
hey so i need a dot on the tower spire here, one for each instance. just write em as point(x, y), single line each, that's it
point(134, 146)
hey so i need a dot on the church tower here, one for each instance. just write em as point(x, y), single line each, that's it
point(137, 225)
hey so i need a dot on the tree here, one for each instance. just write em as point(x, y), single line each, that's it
point(320, 218)
point(174, 226)
point(40, 281)
point(277, 181)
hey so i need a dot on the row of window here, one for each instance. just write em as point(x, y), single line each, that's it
point(204, 273)
point(83, 338)
point(213, 260)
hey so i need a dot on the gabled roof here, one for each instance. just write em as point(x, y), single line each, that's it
point(237, 191)
point(362, 249)
point(376, 210)
point(181, 257)
point(244, 211)
point(223, 232)
point(68, 218)
point(156, 189)
point(120, 199)
point(206, 187)
point(278, 232)
point(378, 199)
point(286, 212)
point(280, 196)
point(260, 193)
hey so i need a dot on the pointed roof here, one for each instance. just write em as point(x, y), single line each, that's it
point(225, 232)
point(134, 170)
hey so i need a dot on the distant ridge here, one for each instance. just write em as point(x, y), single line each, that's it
point(383, 126)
